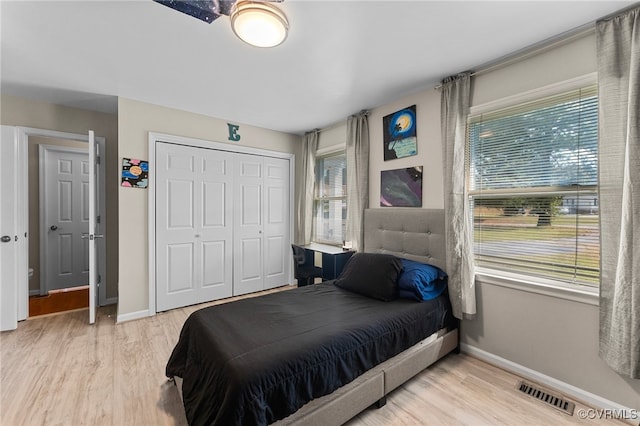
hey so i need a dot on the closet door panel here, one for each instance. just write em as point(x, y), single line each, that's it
point(277, 222)
point(250, 206)
point(216, 225)
point(274, 264)
point(250, 267)
point(213, 204)
point(193, 225)
point(248, 227)
point(214, 268)
point(175, 227)
point(179, 268)
point(179, 203)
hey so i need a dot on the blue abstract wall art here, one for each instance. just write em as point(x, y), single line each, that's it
point(401, 187)
point(400, 134)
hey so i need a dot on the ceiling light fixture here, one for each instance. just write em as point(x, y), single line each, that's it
point(259, 24)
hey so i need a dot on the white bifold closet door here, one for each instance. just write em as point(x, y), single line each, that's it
point(277, 220)
point(194, 227)
point(262, 250)
point(222, 224)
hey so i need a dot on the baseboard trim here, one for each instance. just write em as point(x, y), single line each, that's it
point(35, 292)
point(580, 395)
point(132, 316)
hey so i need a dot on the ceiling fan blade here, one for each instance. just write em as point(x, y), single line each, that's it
point(204, 10)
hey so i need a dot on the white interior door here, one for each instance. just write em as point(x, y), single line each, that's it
point(65, 189)
point(194, 215)
point(248, 247)
point(276, 223)
point(8, 231)
point(93, 225)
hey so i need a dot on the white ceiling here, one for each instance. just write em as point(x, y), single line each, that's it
point(340, 56)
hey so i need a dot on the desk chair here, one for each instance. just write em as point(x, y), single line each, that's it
point(305, 272)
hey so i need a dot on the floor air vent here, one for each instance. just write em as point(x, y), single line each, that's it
point(555, 401)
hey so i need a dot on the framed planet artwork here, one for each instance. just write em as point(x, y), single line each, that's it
point(399, 134)
point(401, 187)
point(135, 173)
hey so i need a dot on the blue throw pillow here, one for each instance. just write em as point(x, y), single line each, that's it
point(421, 281)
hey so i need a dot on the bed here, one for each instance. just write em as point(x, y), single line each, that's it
point(318, 354)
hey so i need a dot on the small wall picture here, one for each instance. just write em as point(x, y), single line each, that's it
point(399, 130)
point(135, 173)
point(401, 187)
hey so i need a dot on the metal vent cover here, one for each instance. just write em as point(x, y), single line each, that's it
point(556, 401)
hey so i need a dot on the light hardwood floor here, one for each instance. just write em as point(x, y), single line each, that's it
point(58, 370)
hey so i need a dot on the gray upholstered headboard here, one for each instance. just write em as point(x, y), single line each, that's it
point(412, 233)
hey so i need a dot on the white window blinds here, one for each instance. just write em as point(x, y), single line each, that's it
point(331, 199)
point(532, 181)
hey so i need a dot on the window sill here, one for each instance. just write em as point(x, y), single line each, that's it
point(327, 243)
point(582, 294)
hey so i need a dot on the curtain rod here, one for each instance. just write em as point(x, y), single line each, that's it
point(337, 124)
point(619, 12)
point(533, 50)
point(329, 127)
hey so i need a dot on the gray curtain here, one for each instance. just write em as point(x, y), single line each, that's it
point(459, 247)
point(305, 212)
point(618, 51)
point(357, 154)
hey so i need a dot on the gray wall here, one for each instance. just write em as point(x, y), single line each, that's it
point(429, 149)
point(553, 336)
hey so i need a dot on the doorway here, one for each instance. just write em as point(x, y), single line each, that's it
point(14, 259)
point(58, 218)
point(29, 220)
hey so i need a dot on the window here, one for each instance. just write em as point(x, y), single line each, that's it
point(532, 181)
point(330, 203)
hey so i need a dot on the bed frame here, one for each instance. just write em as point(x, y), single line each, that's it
point(416, 234)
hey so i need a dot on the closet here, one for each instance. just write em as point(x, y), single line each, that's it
point(222, 224)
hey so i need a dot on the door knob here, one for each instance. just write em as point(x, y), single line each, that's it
point(5, 239)
point(53, 227)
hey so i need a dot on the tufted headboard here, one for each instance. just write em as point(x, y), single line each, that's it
point(412, 233)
